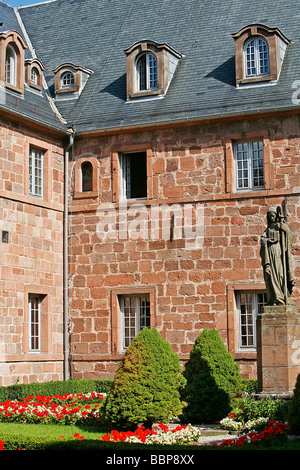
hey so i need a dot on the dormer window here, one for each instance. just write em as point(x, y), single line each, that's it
point(256, 56)
point(34, 73)
point(11, 65)
point(69, 81)
point(146, 70)
point(150, 69)
point(259, 54)
point(12, 48)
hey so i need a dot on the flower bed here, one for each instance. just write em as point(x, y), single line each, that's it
point(273, 433)
point(230, 423)
point(160, 434)
point(68, 409)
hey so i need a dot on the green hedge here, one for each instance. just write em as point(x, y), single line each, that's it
point(294, 410)
point(20, 391)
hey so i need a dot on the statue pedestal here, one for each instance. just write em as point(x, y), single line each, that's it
point(278, 349)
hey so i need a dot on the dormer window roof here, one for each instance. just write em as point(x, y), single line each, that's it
point(259, 54)
point(70, 80)
point(150, 69)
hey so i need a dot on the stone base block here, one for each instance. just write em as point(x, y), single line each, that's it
point(278, 349)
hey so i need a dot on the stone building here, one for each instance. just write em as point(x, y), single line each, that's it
point(141, 147)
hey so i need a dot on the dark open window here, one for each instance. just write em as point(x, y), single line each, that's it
point(133, 175)
point(87, 176)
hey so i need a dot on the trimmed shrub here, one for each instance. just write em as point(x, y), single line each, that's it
point(294, 410)
point(249, 386)
point(146, 385)
point(213, 379)
point(251, 407)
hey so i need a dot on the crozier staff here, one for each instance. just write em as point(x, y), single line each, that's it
point(276, 258)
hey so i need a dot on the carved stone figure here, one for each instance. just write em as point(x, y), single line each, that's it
point(276, 258)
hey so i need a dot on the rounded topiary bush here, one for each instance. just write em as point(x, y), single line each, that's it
point(294, 409)
point(146, 387)
point(213, 379)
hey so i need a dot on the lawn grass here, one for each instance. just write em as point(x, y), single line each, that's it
point(51, 431)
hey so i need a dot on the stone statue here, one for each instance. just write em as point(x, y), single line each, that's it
point(276, 258)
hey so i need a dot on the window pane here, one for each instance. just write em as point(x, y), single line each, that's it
point(144, 312)
point(263, 57)
point(257, 58)
point(141, 69)
point(34, 318)
point(249, 164)
point(258, 164)
point(125, 177)
point(34, 75)
point(250, 304)
point(261, 302)
point(35, 172)
point(146, 72)
point(129, 320)
point(10, 65)
point(250, 55)
point(67, 79)
point(242, 165)
point(135, 312)
point(246, 320)
point(152, 71)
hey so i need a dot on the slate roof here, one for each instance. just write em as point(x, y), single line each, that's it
point(95, 33)
point(32, 105)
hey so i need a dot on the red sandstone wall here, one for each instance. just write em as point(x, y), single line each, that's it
point(32, 260)
point(192, 288)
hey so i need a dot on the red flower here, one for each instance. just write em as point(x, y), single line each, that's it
point(163, 427)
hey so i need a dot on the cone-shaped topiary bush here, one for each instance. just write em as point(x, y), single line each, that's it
point(213, 378)
point(146, 385)
point(294, 410)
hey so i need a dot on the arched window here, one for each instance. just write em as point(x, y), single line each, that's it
point(67, 80)
point(11, 65)
point(256, 56)
point(34, 74)
point(87, 176)
point(146, 68)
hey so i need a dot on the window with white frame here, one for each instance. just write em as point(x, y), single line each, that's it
point(146, 68)
point(67, 80)
point(256, 56)
point(11, 65)
point(34, 322)
point(133, 175)
point(249, 305)
point(34, 73)
point(249, 164)
point(36, 172)
point(135, 312)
